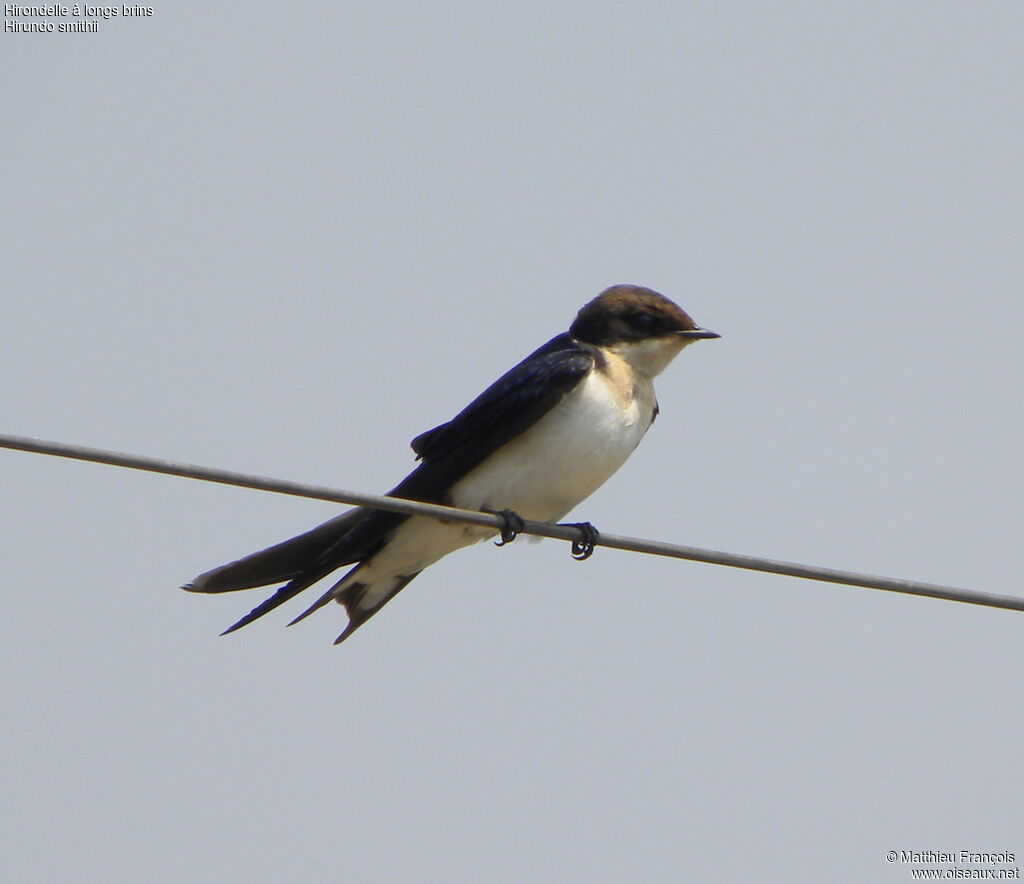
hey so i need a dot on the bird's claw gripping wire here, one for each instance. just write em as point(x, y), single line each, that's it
point(513, 524)
point(583, 548)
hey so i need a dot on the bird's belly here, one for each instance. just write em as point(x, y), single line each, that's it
point(418, 542)
point(560, 461)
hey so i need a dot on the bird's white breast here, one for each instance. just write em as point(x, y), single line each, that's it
point(569, 453)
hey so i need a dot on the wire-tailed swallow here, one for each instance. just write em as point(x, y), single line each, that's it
point(534, 444)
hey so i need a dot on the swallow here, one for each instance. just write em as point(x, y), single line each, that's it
point(533, 445)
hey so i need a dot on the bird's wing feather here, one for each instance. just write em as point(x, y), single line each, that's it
point(512, 404)
point(282, 561)
point(302, 560)
point(448, 452)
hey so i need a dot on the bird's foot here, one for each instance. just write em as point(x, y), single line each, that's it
point(513, 524)
point(584, 547)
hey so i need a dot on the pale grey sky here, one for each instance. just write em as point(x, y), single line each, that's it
point(287, 239)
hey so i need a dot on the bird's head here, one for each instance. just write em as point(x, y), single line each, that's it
point(645, 328)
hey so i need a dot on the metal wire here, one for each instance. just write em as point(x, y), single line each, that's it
point(541, 529)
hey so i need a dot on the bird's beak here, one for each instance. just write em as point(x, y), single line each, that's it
point(698, 333)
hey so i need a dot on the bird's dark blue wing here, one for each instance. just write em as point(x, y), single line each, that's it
point(512, 404)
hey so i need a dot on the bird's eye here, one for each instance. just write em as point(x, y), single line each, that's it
point(643, 322)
